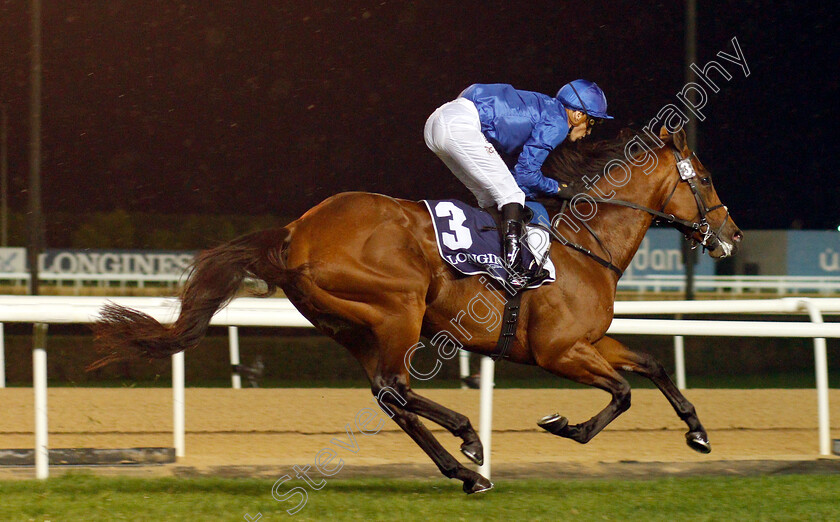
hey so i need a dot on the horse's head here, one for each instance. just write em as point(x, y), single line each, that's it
point(693, 201)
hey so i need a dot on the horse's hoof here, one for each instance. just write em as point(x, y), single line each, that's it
point(474, 452)
point(698, 441)
point(554, 423)
point(480, 485)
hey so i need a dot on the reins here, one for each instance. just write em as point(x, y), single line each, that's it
point(607, 263)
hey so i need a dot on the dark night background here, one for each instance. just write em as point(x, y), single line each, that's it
point(268, 107)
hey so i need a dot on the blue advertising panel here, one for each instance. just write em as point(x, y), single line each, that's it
point(813, 253)
point(661, 254)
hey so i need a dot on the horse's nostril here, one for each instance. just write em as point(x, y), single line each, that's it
point(737, 236)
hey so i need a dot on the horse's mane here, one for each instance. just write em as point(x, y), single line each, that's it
point(571, 161)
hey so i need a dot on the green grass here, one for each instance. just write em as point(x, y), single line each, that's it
point(84, 497)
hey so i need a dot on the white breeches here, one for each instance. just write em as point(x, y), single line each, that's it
point(453, 132)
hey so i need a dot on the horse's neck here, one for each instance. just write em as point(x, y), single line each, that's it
point(622, 229)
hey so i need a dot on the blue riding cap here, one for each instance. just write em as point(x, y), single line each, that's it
point(586, 96)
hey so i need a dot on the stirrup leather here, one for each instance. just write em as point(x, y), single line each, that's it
point(513, 245)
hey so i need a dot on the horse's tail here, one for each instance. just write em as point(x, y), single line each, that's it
point(215, 277)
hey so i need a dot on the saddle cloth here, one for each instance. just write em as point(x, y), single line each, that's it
point(468, 240)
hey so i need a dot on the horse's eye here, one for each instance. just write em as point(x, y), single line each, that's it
point(706, 181)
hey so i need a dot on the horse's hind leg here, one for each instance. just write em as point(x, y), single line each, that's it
point(457, 424)
point(382, 354)
point(622, 358)
point(393, 402)
point(582, 363)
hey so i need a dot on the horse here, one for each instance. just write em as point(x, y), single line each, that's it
point(365, 270)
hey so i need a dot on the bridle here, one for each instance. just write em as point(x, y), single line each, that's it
point(710, 238)
point(689, 175)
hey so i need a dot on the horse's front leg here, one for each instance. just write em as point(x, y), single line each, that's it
point(622, 358)
point(582, 363)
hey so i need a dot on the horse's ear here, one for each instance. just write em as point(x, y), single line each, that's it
point(681, 142)
point(678, 139)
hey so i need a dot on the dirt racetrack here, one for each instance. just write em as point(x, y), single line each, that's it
point(264, 432)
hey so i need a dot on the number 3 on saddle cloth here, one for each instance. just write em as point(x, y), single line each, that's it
point(469, 241)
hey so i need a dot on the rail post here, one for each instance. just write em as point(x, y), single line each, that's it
point(679, 360)
point(485, 421)
point(233, 343)
point(821, 370)
point(39, 385)
point(464, 367)
point(178, 408)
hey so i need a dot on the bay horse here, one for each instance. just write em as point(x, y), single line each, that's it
point(365, 270)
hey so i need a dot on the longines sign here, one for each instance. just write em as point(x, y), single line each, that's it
point(152, 262)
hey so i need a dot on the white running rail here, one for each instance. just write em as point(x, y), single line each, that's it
point(281, 313)
point(737, 285)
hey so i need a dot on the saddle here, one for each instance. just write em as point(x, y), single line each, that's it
point(468, 240)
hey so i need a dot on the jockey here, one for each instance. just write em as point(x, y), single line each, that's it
point(468, 133)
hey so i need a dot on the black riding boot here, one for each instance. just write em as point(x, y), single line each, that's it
point(513, 227)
